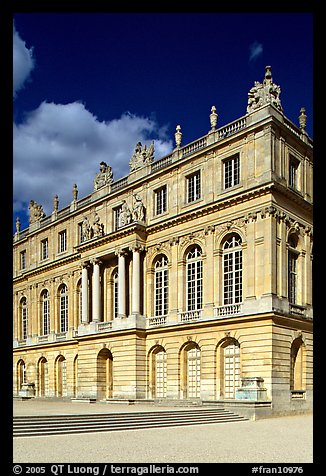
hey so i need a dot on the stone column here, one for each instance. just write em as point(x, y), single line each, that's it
point(121, 283)
point(96, 296)
point(85, 316)
point(135, 303)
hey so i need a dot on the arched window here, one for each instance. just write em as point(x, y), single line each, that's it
point(23, 318)
point(194, 264)
point(21, 374)
point(231, 368)
point(232, 270)
point(192, 353)
point(63, 309)
point(159, 371)
point(161, 286)
point(45, 313)
point(292, 268)
point(61, 377)
point(104, 374)
point(43, 378)
point(297, 365)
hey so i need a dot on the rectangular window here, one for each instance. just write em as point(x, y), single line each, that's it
point(232, 171)
point(194, 286)
point(44, 249)
point(46, 317)
point(160, 200)
point(116, 217)
point(193, 187)
point(293, 173)
point(23, 259)
point(62, 241)
point(292, 277)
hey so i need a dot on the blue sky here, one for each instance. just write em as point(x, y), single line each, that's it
point(89, 86)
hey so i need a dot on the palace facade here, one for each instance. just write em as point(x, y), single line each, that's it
point(189, 279)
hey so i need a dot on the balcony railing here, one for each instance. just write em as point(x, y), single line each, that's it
point(227, 310)
point(187, 316)
point(156, 321)
point(104, 326)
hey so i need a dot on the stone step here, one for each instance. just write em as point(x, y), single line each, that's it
point(63, 424)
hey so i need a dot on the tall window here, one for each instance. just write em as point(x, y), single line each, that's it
point(193, 187)
point(45, 313)
point(161, 286)
point(293, 173)
point(44, 249)
point(24, 318)
point(23, 259)
point(115, 295)
point(232, 171)
point(231, 369)
point(160, 200)
point(232, 270)
point(62, 241)
point(193, 372)
point(292, 269)
point(116, 216)
point(194, 279)
point(160, 373)
point(63, 309)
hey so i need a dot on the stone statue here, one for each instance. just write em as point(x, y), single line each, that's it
point(17, 225)
point(142, 156)
point(103, 177)
point(36, 212)
point(75, 193)
point(138, 212)
point(125, 215)
point(87, 231)
point(264, 93)
point(98, 228)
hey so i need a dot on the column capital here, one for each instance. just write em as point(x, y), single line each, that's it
point(137, 247)
point(85, 264)
point(120, 252)
point(95, 261)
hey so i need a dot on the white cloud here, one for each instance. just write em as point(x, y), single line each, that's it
point(62, 144)
point(256, 49)
point(23, 62)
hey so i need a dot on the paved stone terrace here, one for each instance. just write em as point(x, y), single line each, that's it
point(274, 440)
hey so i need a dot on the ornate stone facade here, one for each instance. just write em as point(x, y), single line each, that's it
point(191, 278)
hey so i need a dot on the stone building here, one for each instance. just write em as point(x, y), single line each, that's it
point(189, 279)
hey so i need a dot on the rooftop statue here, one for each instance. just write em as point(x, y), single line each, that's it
point(264, 93)
point(142, 156)
point(103, 177)
point(36, 212)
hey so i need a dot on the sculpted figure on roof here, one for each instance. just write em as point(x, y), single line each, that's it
point(142, 156)
point(103, 177)
point(264, 93)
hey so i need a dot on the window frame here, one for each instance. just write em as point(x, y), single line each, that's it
point(194, 279)
point(62, 244)
point(193, 187)
point(160, 201)
point(161, 286)
point(232, 270)
point(44, 249)
point(231, 178)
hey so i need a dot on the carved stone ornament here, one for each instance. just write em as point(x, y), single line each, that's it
point(103, 177)
point(94, 230)
point(142, 156)
point(137, 214)
point(36, 212)
point(264, 93)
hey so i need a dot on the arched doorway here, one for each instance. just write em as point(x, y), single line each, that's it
point(43, 380)
point(61, 376)
point(158, 372)
point(104, 374)
point(230, 367)
point(191, 370)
